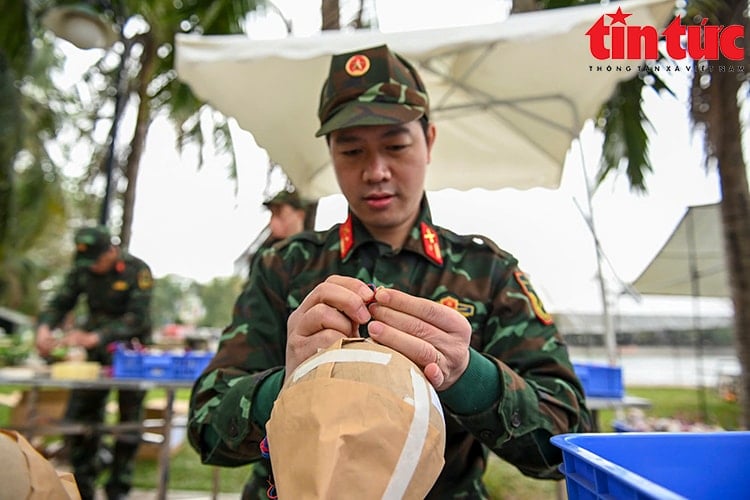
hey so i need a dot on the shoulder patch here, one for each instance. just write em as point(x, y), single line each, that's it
point(536, 303)
point(145, 280)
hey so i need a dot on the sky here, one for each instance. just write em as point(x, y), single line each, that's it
point(195, 223)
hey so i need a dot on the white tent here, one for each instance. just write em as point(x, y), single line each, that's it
point(508, 98)
point(692, 261)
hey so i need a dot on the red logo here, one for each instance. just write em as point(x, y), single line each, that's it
point(357, 65)
point(617, 40)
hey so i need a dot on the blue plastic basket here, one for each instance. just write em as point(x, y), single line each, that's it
point(656, 465)
point(165, 366)
point(601, 381)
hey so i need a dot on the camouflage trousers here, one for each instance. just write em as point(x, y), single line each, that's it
point(89, 407)
point(257, 485)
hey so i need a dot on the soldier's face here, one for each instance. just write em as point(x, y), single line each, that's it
point(286, 220)
point(105, 261)
point(381, 171)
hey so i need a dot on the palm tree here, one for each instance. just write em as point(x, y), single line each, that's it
point(31, 195)
point(138, 75)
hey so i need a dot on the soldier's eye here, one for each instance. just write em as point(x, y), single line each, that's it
point(350, 152)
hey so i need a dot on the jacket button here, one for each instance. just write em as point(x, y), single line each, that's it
point(485, 435)
point(515, 419)
point(233, 430)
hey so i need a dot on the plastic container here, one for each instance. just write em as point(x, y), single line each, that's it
point(75, 370)
point(656, 465)
point(621, 426)
point(164, 366)
point(601, 381)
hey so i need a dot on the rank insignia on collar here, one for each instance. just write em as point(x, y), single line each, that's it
point(431, 243)
point(346, 237)
point(466, 310)
point(534, 301)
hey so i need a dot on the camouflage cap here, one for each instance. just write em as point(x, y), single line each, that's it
point(285, 198)
point(373, 86)
point(91, 242)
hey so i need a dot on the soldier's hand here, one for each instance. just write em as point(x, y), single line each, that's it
point(332, 310)
point(432, 335)
point(45, 342)
point(81, 338)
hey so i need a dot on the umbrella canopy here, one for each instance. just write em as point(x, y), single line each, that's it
point(508, 98)
point(692, 261)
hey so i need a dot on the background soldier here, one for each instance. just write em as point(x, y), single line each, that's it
point(117, 288)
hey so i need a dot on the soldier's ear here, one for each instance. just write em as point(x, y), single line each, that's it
point(430, 135)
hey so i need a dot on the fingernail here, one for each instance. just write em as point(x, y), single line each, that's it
point(363, 315)
point(381, 295)
point(375, 327)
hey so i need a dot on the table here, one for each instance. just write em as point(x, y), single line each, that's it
point(596, 404)
point(40, 381)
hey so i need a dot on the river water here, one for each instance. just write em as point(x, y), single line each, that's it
point(665, 366)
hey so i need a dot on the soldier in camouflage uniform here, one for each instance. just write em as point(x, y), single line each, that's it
point(118, 288)
point(457, 306)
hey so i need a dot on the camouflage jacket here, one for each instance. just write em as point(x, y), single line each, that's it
point(119, 303)
point(537, 392)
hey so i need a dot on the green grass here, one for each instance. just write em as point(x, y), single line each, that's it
point(503, 480)
point(186, 473)
point(683, 404)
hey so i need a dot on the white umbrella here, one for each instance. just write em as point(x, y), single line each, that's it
point(692, 261)
point(508, 97)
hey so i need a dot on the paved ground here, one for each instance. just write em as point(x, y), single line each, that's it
point(176, 495)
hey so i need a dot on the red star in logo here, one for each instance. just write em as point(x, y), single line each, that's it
point(619, 17)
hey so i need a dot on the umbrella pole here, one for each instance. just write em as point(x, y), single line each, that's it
point(610, 338)
point(698, 332)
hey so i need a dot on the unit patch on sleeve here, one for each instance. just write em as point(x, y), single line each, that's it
point(536, 303)
point(145, 280)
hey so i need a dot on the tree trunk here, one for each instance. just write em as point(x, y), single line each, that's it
point(11, 128)
point(138, 142)
point(330, 14)
point(524, 6)
point(735, 213)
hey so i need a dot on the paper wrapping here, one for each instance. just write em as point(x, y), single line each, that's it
point(26, 474)
point(357, 419)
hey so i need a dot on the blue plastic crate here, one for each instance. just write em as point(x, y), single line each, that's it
point(621, 426)
point(165, 366)
point(601, 381)
point(190, 365)
point(656, 465)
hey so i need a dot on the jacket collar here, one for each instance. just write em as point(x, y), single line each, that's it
point(423, 238)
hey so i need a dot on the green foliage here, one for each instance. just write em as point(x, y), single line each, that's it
point(218, 298)
point(31, 194)
point(173, 294)
point(168, 292)
point(38, 202)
